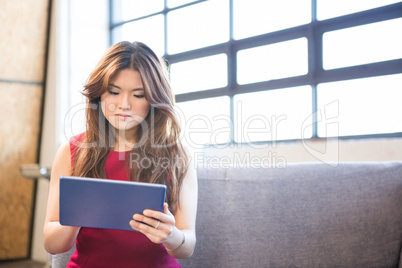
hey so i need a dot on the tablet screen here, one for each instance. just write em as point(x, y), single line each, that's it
point(108, 204)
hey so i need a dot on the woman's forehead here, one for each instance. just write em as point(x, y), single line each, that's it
point(127, 79)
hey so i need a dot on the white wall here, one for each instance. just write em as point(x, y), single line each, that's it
point(331, 152)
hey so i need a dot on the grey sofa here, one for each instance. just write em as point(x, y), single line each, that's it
point(303, 215)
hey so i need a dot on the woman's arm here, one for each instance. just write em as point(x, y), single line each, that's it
point(58, 238)
point(172, 230)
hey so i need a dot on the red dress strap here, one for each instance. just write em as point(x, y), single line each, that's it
point(75, 143)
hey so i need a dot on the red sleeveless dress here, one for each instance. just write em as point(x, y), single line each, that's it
point(115, 248)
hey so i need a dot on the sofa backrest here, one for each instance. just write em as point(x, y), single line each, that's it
point(304, 215)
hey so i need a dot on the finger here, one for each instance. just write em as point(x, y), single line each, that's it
point(166, 209)
point(157, 225)
point(166, 216)
point(156, 236)
point(147, 220)
point(134, 224)
point(159, 235)
point(142, 227)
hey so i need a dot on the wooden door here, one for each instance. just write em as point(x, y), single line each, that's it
point(23, 45)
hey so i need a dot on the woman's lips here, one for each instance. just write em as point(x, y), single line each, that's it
point(123, 116)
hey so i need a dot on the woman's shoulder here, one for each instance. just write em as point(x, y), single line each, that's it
point(64, 148)
point(74, 144)
point(66, 152)
point(63, 157)
point(77, 140)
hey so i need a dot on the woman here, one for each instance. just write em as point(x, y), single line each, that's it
point(129, 118)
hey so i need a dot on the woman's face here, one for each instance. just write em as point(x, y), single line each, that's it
point(123, 104)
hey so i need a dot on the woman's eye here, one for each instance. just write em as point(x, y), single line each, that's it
point(112, 92)
point(139, 96)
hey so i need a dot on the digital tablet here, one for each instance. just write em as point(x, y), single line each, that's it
point(108, 204)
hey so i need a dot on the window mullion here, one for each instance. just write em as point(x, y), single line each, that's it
point(314, 64)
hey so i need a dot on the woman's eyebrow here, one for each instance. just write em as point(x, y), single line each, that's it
point(135, 89)
point(112, 85)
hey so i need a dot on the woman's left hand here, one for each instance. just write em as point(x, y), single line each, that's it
point(157, 226)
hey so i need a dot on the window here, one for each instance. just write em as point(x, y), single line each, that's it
point(362, 44)
point(366, 105)
point(274, 61)
point(199, 74)
point(272, 115)
point(203, 125)
point(256, 17)
point(196, 26)
point(264, 71)
point(77, 54)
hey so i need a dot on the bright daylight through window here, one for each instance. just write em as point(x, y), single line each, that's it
point(265, 71)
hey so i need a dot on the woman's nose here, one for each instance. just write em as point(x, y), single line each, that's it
point(125, 102)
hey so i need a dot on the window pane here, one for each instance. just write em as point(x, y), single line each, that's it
point(329, 8)
point(130, 9)
point(273, 115)
point(274, 61)
point(199, 74)
point(257, 17)
point(365, 106)
point(176, 3)
point(363, 44)
point(205, 121)
point(197, 26)
point(138, 8)
point(140, 31)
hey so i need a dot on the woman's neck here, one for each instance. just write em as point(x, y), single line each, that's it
point(124, 141)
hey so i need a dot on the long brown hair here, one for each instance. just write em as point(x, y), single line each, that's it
point(158, 156)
